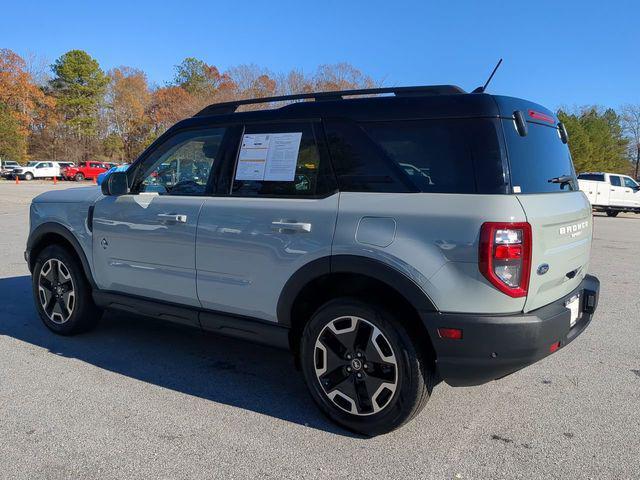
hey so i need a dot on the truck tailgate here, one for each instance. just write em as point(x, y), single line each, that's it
point(561, 226)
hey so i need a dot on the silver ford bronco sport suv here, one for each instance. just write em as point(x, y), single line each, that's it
point(390, 238)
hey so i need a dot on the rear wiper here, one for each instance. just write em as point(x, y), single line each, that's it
point(562, 180)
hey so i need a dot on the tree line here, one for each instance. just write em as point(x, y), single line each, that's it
point(74, 110)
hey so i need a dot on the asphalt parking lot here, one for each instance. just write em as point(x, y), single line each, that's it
point(140, 399)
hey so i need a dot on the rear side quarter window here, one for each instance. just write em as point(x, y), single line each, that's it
point(444, 155)
point(432, 156)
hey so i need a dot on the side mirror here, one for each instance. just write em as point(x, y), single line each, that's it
point(115, 184)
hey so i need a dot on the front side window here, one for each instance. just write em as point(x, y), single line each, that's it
point(629, 183)
point(280, 160)
point(182, 165)
point(615, 180)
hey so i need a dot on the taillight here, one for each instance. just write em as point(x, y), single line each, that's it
point(505, 256)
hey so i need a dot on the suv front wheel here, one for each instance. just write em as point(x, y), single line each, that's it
point(362, 368)
point(62, 293)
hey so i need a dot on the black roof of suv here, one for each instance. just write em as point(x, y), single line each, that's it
point(437, 101)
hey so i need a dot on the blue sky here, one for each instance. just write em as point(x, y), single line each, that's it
point(560, 52)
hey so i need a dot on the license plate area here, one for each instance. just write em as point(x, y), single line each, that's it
point(573, 304)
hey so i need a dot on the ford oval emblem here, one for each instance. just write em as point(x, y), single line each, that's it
point(542, 269)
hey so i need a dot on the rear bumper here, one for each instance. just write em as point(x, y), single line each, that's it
point(494, 346)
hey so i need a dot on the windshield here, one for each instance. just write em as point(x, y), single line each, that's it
point(539, 161)
point(32, 164)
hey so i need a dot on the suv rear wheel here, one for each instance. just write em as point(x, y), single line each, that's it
point(62, 293)
point(362, 368)
point(79, 177)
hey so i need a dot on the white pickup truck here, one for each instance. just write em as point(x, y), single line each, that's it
point(611, 193)
point(37, 170)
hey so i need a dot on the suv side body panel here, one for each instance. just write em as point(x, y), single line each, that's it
point(68, 208)
point(138, 249)
point(435, 242)
point(244, 260)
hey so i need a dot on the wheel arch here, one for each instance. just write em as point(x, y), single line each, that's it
point(50, 233)
point(351, 275)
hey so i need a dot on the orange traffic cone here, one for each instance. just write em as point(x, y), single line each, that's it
point(55, 180)
point(17, 179)
point(94, 181)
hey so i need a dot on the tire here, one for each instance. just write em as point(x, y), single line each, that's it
point(612, 213)
point(401, 385)
point(28, 176)
point(79, 177)
point(58, 272)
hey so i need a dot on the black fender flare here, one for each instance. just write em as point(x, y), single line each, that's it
point(350, 264)
point(58, 229)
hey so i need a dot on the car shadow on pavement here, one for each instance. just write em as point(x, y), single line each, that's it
point(187, 360)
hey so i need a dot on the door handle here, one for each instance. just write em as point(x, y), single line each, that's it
point(172, 217)
point(294, 226)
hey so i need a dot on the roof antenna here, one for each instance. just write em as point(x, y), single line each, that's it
point(484, 87)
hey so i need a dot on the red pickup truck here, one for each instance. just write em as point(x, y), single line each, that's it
point(88, 170)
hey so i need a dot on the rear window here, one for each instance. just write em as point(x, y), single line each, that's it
point(596, 177)
point(537, 158)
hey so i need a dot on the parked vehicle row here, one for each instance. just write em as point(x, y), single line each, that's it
point(58, 169)
point(611, 193)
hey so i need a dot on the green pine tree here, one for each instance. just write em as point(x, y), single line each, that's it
point(79, 86)
point(596, 140)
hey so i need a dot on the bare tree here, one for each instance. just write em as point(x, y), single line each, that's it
point(630, 115)
point(38, 67)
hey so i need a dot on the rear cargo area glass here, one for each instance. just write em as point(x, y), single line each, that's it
point(537, 158)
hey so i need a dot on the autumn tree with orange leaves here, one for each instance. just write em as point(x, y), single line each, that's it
point(22, 105)
point(127, 101)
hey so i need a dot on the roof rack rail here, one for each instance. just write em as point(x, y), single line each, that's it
point(231, 107)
